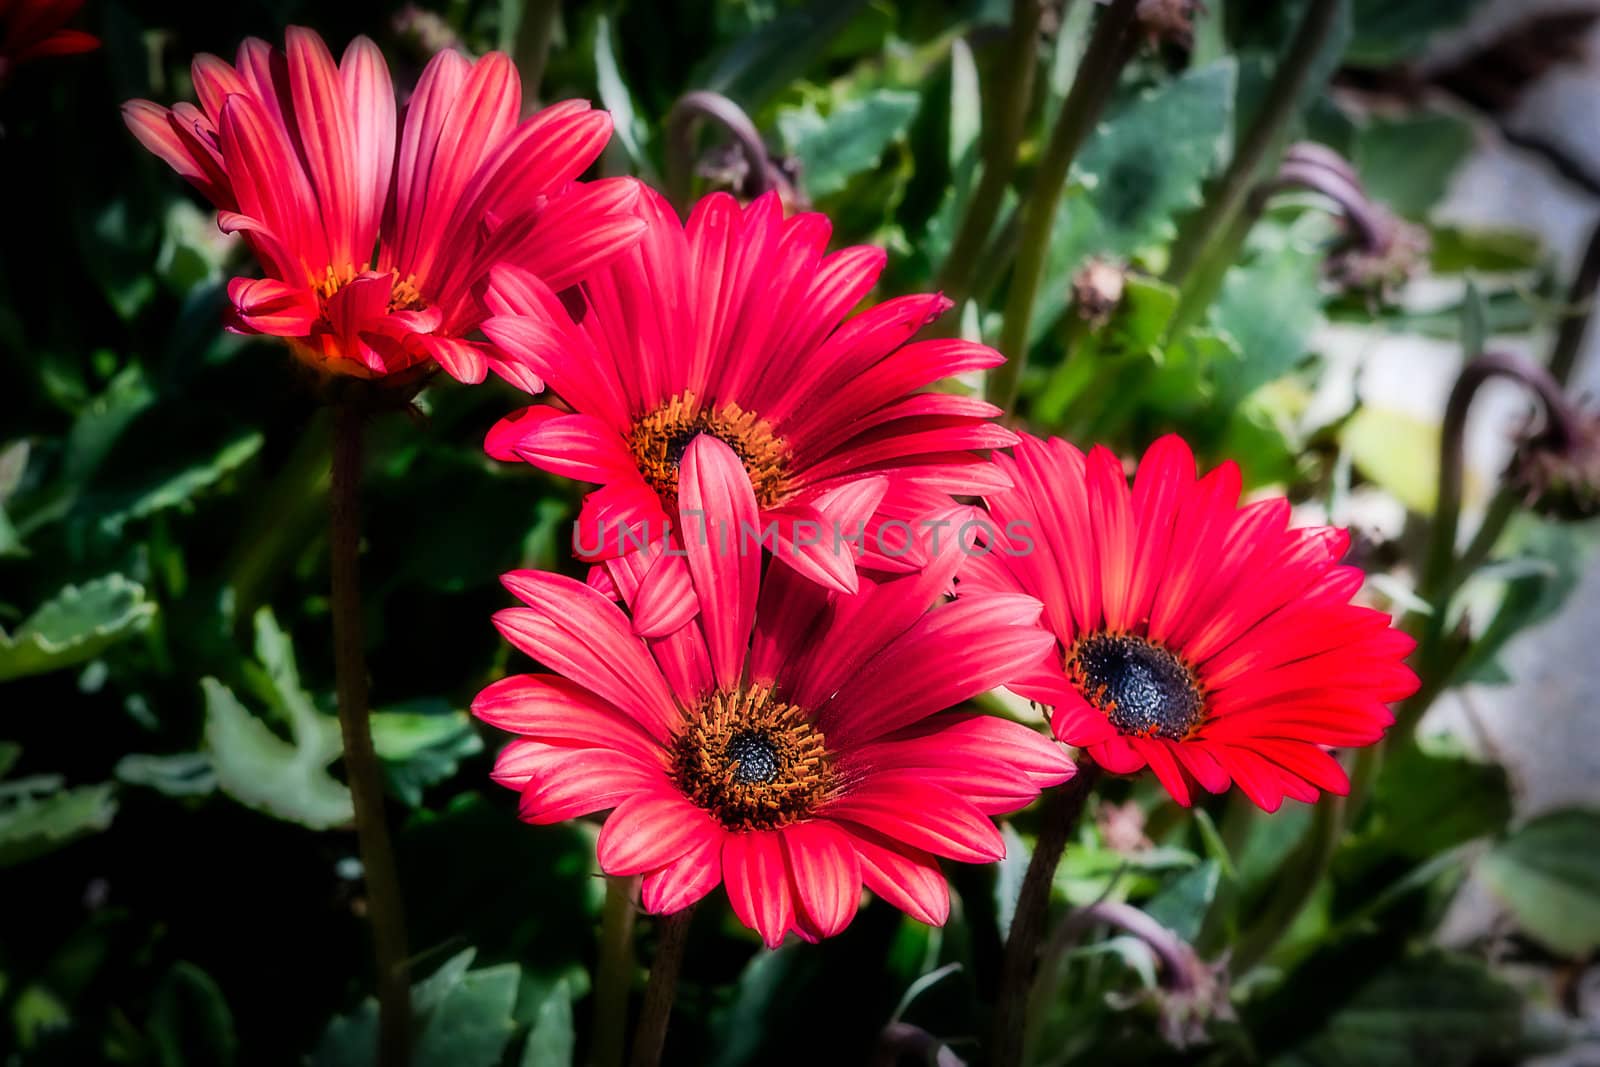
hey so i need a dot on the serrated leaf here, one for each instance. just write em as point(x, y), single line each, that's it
point(463, 1019)
point(1270, 305)
point(553, 1040)
point(287, 780)
point(850, 139)
point(1388, 31)
point(422, 746)
point(33, 825)
point(1548, 874)
point(1135, 175)
point(77, 625)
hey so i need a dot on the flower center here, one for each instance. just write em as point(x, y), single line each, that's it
point(1144, 689)
point(752, 761)
point(660, 438)
point(403, 292)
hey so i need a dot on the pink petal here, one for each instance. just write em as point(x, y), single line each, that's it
point(726, 569)
point(758, 883)
point(653, 830)
point(827, 876)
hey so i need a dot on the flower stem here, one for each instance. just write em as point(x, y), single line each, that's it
point(682, 122)
point(1283, 96)
point(532, 48)
point(1058, 822)
point(615, 976)
point(1437, 585)
point(1010, 112)
point(1109, 50)
point(651, 1035)
point(360, 761)
point(1580, 304)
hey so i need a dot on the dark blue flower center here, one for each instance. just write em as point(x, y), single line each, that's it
point(754, 756)
point(1144, 689)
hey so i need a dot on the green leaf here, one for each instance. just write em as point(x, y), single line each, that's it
point(1492, 251)
point(759, 64)
point(1271, 305)
point(553, 1040)
point(168, 485)
point(1426, 803)
point(77, 625)
point(263, 771)
point(190, 1021)
point(1398, 451)
point(1135, 174)
point(631, 132)
point(182, 774)
point(1434, 1009)
point(32, 825)
point(1548, 874)
point(1406, 163)
point(1147, 164)
point(850, 139)
point(287, 779)
point(1388, 31)
point(1474, 322)
point(422, 746)
point(463, 1019)
point(1182, 905)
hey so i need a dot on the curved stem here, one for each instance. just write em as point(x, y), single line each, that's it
point(1019, 62)
point(615, 974)
point(902, 1039)
point(1108, 51)
point(1058, 821)
point(1560, 423)
point(651, 1035)
point(682, 121)
point(360, 761)
point(1282, 101)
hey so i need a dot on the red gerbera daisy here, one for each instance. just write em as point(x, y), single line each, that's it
point(374, 250)
point(731, 327)
point(790, 741)
point(31, 29)
point(1210, 641)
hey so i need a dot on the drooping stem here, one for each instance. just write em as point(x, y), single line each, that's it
point(1058, 817)
point(651, 1035)
point(1009, 114)
point(1560, 425)
point(360, 761)
point(1230, 192)
point(615, 976)
point(1108, 51)
point(682, 121)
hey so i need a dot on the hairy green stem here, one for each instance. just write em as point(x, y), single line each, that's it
point(1058, 821)
point(1018, 62)
point(651, 1035)
point(1108, 52)
point(1231, 191)
point(615, 974)
point(360, 761)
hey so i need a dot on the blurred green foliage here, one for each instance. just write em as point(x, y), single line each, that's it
point(174, 840)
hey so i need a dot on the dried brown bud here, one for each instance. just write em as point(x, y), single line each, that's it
point(1386, 264)
point(1097, 290)
point(1169, 21)
point(1122, 828)
point(1558, 474)
point(422, 33)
